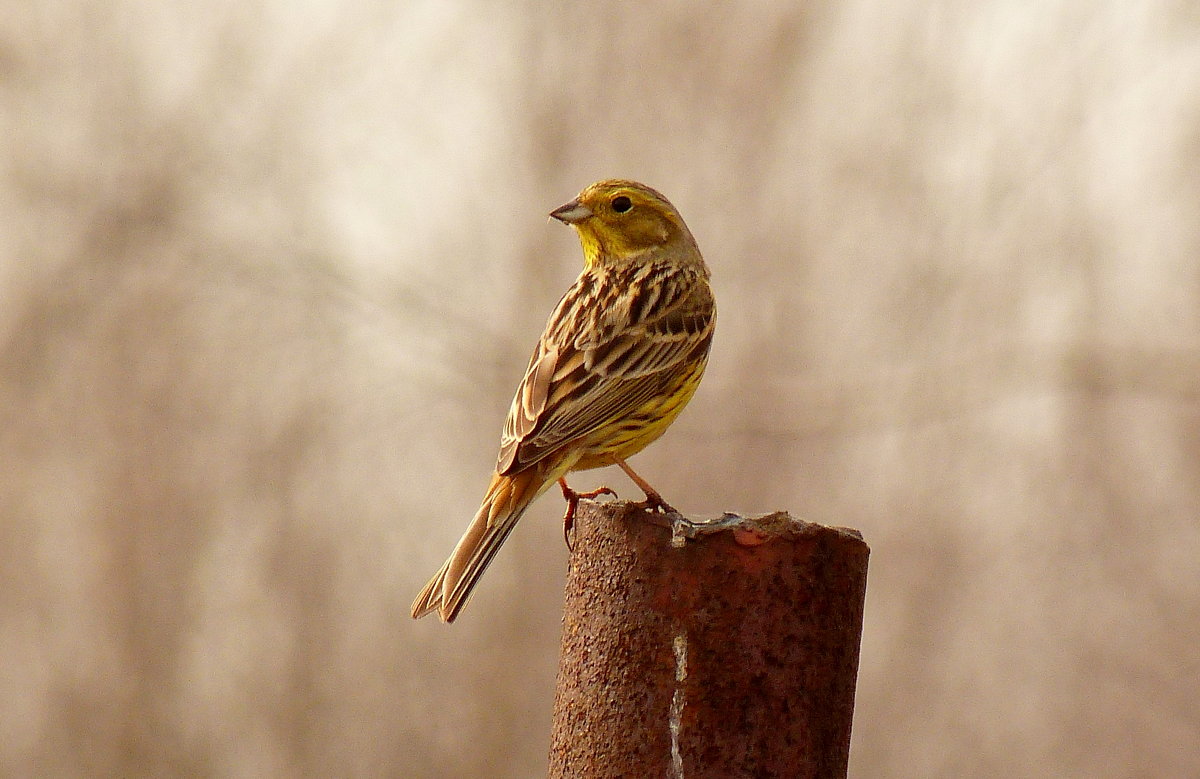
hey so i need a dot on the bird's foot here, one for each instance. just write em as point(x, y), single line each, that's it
point(655, 502)
point(572, 497)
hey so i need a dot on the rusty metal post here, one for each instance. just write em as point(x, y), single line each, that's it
point(707, 649)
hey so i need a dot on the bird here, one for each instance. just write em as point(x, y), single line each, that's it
point(621, 355)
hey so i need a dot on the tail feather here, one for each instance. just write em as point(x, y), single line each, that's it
point(506, 500)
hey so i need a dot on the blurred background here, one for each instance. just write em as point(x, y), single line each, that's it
point(269, 273)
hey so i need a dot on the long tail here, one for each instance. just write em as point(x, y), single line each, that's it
point(506, 500)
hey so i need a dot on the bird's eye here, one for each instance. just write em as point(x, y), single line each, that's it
point(621, 204)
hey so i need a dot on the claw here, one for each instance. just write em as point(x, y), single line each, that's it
point(654, 501)
point(572, 497)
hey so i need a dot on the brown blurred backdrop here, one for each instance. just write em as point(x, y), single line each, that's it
point(269, 272)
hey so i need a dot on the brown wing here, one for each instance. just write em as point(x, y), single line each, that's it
point(618, 338)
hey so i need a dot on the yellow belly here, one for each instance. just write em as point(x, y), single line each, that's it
point(623, 438)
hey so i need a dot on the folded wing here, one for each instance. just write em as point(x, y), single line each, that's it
point(601, 360)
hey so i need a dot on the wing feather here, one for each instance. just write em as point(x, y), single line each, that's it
point(603, 357)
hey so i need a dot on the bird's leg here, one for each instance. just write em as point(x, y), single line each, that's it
point(654, 501)
point(572, 497)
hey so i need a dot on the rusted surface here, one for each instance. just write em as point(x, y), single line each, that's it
point(732, 652)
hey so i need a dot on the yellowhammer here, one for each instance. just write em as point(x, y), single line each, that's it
point(621, 356)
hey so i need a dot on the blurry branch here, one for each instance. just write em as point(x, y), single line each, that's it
point(930, 391)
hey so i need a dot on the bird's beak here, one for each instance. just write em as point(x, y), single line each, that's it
point(572, 213)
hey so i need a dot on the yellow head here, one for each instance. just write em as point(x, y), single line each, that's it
point(618, 220)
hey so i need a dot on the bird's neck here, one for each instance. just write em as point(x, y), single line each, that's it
point(597, 255)
point(593, 250)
